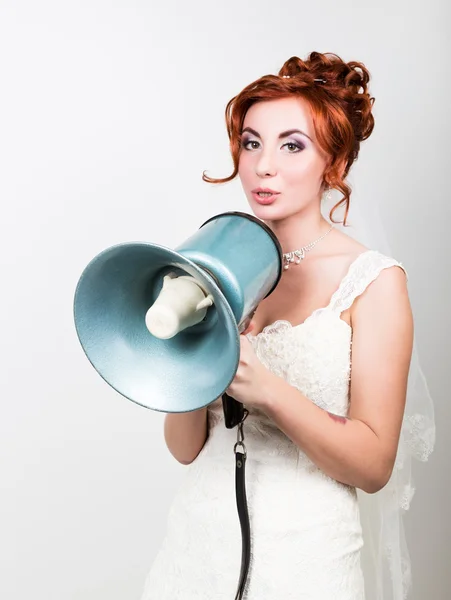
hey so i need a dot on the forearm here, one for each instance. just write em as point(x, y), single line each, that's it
point(345, 449)
point(185, 434)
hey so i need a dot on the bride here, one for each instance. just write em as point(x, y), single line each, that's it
point(323, 372)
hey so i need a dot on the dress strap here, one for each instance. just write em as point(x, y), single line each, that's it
point(362, 271)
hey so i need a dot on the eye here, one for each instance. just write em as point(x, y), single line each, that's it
point(244, 143)
point(299, 148)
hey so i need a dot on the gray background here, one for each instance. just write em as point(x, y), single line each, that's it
point(110, 110)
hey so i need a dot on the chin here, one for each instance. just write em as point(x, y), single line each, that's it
point(270, 212)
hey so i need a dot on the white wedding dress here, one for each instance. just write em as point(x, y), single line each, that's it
point(305, 526)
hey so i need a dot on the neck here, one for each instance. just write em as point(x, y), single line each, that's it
point(297, 231)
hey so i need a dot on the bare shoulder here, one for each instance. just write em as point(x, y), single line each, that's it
point(387, 295)
point(390, 281)
point(389, 289)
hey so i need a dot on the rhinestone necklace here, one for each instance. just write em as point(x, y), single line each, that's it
point(297, 255)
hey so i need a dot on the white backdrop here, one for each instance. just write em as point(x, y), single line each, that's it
point(110, 111)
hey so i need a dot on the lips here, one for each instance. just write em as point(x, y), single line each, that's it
point(269, 190)
point(264, 200)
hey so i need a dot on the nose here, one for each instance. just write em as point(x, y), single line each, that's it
point(265, 165)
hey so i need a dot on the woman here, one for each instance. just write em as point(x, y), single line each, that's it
point(323, 369)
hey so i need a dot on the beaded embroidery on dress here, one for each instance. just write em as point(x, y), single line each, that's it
point(306, 531)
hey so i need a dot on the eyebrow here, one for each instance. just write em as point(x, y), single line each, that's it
point(282, 135)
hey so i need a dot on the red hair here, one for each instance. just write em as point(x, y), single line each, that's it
point(339, 102)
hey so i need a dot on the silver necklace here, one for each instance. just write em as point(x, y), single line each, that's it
point(297, 255)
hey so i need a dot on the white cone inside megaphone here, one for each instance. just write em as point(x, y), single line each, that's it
point(181, 303)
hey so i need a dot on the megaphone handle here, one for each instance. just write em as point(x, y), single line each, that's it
point(233, 411)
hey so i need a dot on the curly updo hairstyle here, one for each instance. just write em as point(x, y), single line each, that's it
point(337, 93)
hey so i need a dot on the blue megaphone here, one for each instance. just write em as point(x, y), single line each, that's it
point(162, 326)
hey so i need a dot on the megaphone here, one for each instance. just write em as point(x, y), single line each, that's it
point(162, 326)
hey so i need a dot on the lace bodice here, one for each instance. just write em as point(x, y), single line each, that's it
point(304, 356)
point(315, 356)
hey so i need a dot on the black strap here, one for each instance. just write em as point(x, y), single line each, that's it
point(241, 503)
point(234, 416)
point(240, 462)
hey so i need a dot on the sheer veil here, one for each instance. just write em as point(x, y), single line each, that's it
point(385, 555)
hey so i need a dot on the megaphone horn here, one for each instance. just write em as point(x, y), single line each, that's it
point(162, 326)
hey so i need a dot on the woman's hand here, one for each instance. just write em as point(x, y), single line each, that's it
point(252, 377)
